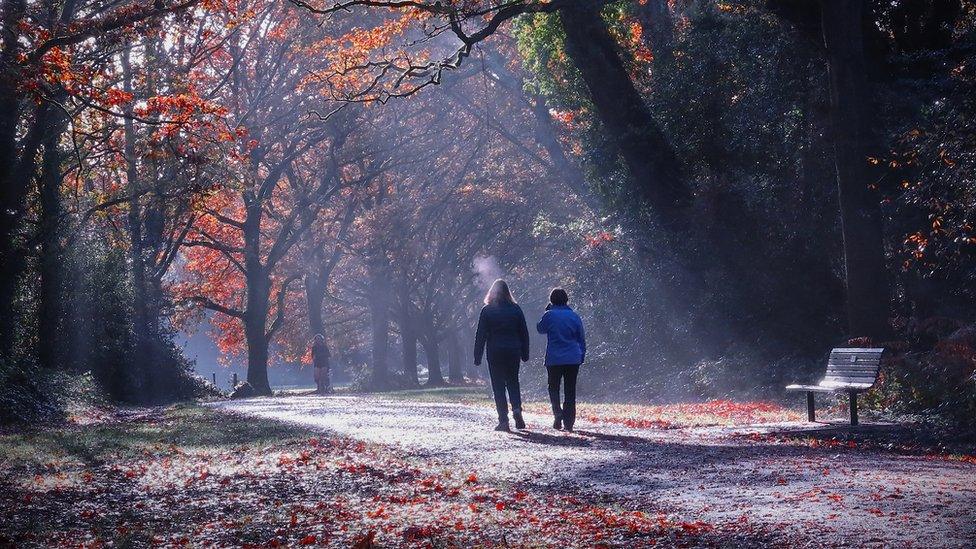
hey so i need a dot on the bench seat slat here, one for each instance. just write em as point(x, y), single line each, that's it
point(814, 388)
point(848, 362)
point(858, 364)
point(851, 374)
point(834, 380)
point(846, 383)
point(855, 366)
point(865, 350)
point(864, 373)
point(854, 359)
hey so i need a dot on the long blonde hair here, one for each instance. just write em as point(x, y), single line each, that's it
point(499, 293)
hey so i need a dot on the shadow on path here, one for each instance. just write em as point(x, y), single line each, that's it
point(551, 440)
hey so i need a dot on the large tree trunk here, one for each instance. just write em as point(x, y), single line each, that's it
point(655, 172)
point(255, 320)
point(868, 297)
point(435, 376)
point(455, 372)
point(379, 317)
point(258, 296)
point(50, 310)
point(14, 183)
point(408, 334)
point(18, 161)
point(144, 338)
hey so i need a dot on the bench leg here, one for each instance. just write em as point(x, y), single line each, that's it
point(853, 408)
point(811, 413)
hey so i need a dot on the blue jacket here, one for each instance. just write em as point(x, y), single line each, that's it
point(567, 341)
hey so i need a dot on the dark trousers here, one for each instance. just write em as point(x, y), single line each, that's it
point(504, 371)
point(568, 372)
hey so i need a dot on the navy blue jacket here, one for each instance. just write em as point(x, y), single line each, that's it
point(567, 340)
point(502, 328)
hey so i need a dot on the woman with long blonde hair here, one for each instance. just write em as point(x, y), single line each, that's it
point(502, 329)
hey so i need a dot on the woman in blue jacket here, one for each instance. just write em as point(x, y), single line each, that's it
point(565, 351)
point(502, 329)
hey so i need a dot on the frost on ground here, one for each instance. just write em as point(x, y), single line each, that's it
point(365, 472)
point(194, 477)
point(767, 479)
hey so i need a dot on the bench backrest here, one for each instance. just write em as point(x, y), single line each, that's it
point(853, 366)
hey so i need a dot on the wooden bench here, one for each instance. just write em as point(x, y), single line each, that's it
point(849, 370)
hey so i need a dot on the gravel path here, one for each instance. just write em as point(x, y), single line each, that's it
point(801, 496)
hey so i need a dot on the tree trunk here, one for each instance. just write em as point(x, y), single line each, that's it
point(654, 169)
point(868, 297)
point(435, 377)
point(12, 187)
point(143, 338)
point(455, 372)
point(409, 336)
point(257, 306)
point(50, 310)
point(255, 320)
point(14, 183)
point(379, 316)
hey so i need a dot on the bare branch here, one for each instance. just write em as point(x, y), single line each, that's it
point(208, 303)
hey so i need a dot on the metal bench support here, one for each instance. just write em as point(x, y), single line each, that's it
point(853, 408)
point(811, 412)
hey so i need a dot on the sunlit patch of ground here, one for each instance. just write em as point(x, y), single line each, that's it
point(194, 476)
point(739, 483)
point(678, 416)
point(461, 395)
point(637, 416)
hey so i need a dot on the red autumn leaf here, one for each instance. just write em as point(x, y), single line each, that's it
point(366, 541)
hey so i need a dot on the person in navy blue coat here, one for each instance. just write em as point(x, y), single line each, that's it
point(565, 351)
point(502, 329)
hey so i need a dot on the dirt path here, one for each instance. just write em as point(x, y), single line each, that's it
point(835, 496)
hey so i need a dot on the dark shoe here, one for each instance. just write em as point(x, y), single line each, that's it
point(502, 427)
point(569, 428)
point(557, 424)
point(519, 421)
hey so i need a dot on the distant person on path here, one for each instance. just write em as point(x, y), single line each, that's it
point(565, 351)
point(320, 363)
point(501, 327)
